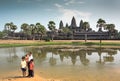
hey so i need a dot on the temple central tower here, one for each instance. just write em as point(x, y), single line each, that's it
point(73, 23)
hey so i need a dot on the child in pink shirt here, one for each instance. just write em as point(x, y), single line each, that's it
point(31, 68)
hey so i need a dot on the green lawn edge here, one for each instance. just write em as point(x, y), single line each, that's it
point(61, 43)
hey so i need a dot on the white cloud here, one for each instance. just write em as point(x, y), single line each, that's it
point(67, 14)
point(58, 5)
point(69, 2)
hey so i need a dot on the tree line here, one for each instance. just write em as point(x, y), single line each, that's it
point(40, 30)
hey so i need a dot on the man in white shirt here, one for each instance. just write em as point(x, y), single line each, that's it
point(30, 56)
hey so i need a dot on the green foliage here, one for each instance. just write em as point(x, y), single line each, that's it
point(66, 30)
point(76, 43)
point(101, 23)
point(86, 26)
point(10, 27)
point(47, 39)
point(61, 43)
point(40, 29)
point(110, 28)
point(24, 27)
point(51, 25)
point(1, 34)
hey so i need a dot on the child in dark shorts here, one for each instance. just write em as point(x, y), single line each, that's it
point(23, 66)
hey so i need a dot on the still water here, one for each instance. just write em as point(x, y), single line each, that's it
point(65, 62)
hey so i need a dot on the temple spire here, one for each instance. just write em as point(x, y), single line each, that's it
point(61, 25)
point(81, 24)
point(73, 23)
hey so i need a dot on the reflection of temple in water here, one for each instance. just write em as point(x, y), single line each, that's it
point(105, 55)
point(12, 54)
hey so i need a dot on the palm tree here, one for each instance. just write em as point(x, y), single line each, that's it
point(51, 27)
point(13, 28)
point(40, 30)
point(101, 23)
point(10, 27)
point(111, 29)
point(33, 30)
point(86, 26)
point(7, 26)
point(25, 28)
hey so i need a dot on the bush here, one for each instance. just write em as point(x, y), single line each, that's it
point(47, 39)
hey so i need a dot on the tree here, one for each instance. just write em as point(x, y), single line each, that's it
point(40, 30)
point(10, 28)
point(86, 26)
point(101, 24)
point(1, 34)
point(33, 30)
point(25, 28)
point(111, 29)
point(66, 30)
point(51, 26)
point(13, 28)
point(7, 26)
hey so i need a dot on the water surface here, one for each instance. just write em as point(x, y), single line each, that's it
point(66, 63)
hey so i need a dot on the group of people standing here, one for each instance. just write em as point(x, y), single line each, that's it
point(27, 63)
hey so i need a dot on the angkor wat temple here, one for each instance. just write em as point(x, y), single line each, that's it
point(75, 32)
point(70, 32)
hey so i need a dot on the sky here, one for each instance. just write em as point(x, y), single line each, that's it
point(43, 11)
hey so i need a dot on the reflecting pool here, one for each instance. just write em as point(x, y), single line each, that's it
point(65, 62)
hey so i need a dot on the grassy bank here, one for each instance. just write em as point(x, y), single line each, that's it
point(18, 43)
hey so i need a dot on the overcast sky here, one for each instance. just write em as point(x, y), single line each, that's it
point(32, 11)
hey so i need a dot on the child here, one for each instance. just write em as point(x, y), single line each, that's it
point(27, 58)
point(23, 66)
point(31, 68)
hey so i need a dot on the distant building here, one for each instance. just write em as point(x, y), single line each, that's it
point(79, 32)
point(68, 32)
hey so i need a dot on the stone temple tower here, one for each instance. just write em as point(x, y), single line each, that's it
point(61, 25)
point(73, 23)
